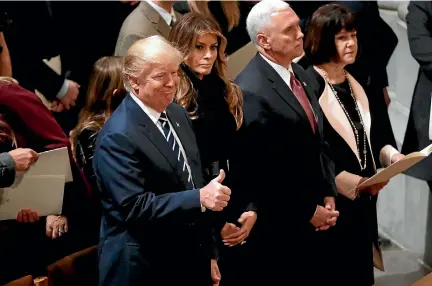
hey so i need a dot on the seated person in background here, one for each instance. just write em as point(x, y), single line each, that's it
point(28, 248)
point(331, 44)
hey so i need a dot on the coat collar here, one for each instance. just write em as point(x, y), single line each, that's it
point(281, 88)
point(336, 116)
point(155, 136)
point(156, 19)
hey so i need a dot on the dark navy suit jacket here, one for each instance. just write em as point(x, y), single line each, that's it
point(153, 231)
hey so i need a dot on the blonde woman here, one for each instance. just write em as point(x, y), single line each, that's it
point(215, 106)
point(212, 101)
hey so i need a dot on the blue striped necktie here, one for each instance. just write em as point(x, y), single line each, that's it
point(175, 147)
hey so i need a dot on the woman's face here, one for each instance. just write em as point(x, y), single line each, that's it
point(346, 46)
point(203, 54)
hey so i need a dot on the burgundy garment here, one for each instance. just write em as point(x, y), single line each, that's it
point(300, 94)
point(33, 124)
point(35, 127)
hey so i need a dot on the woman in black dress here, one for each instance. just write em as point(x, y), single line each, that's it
point(331, 44)
point(215, 106)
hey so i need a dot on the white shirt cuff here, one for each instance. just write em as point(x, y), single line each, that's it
point(63, 90)
point(386, 154)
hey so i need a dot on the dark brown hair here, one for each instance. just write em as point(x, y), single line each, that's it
point(230, 9)
point(183, 36)
point(106, 78)
point(325, 24)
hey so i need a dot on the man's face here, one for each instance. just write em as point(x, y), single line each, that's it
point(158, 85)
point(284, 37)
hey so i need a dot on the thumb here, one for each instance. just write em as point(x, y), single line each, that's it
point(242, 218)
point(220, 177)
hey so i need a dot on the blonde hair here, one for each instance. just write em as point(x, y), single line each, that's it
point(184, 34)
point(105, 87)
point(151, 50)
point(230, 8)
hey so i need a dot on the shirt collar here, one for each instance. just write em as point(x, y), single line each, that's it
point(284, 73)
point(276, 66)
point(162, 12)
point(153, 114)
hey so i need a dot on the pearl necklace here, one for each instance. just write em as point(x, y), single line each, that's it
point(362, 166)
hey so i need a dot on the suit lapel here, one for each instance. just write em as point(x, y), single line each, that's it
point(159, 23)
point(179, 128)
point(281, 88)
point(151, 131)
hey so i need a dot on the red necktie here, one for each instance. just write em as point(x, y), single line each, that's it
point(301, 96)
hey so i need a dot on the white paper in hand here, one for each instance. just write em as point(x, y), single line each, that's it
point(43, 194)
point(52, 163)
point(397, 168)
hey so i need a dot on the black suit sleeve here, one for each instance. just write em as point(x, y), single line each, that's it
point(49, 82)
point(7, 170)
point(245, 166)
point(419, 35)
point(389, 40)
point(329, 172)
point(120, 174)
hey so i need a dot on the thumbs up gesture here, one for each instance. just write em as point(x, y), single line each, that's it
point(215, 196)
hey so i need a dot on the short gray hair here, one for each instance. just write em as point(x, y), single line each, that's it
point(151, 50)
point(260, 16)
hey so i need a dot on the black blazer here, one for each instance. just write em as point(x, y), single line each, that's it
point(280, 159)
point(419, 24)
point(153, 231)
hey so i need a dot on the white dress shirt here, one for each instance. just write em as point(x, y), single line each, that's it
point(284, 73)
point(154, 116)
point(167, 16)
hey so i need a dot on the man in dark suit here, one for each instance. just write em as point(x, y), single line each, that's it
point(419, 130)
point(154, 228)
point(282, 149)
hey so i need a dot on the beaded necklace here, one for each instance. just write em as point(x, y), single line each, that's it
point(362, 166)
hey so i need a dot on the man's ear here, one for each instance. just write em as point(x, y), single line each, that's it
point(133, 81)
point(263, 41)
